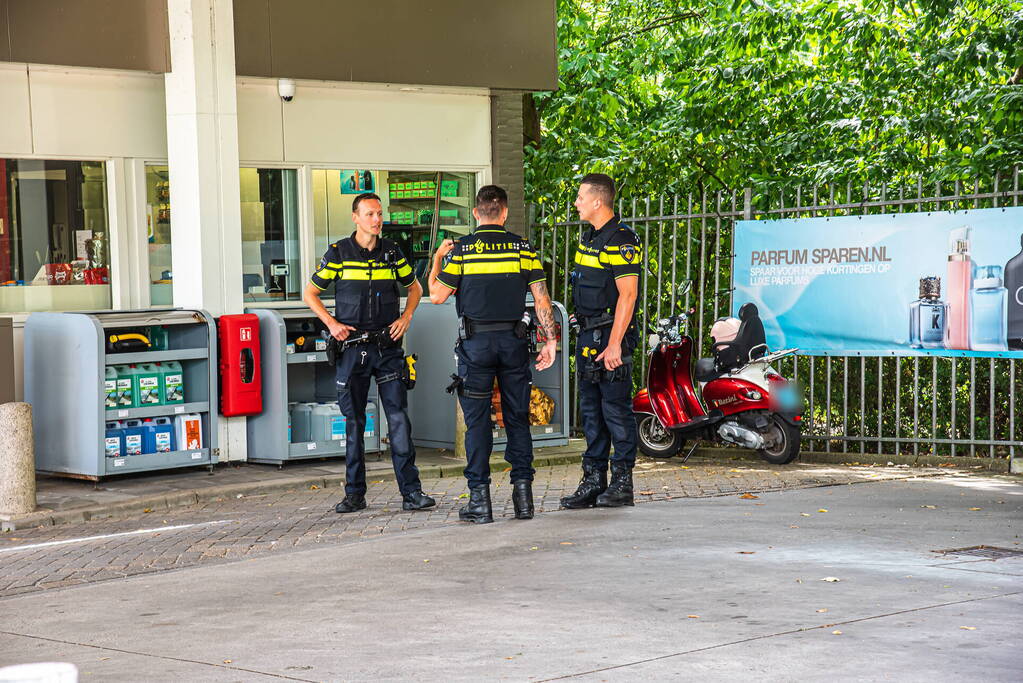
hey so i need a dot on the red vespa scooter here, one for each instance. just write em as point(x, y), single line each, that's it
point(750, 405)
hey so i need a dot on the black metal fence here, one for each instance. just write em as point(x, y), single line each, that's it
point(854, 403)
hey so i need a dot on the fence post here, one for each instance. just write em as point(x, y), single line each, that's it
point(747, 204)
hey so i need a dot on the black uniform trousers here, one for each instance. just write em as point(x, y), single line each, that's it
point(355, 366)
point(605, 407)
point(481, 358)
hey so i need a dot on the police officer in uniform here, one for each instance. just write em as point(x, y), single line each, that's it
point(366, 270)
point(605, 286)
point(489, 272)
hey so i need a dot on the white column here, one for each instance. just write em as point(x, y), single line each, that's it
point(202, 153)
point(202, 156)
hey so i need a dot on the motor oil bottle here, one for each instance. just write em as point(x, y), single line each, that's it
point(113, 442)
point(158, 436)
point(188, 431)
point(172, 382)
point(320, 421)
point(371, 420)
point(110, 388)
point(133, 436)
point(147, 382)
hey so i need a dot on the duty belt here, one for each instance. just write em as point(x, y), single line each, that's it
point(483, 326)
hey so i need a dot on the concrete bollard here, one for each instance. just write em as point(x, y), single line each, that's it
point(17, 460)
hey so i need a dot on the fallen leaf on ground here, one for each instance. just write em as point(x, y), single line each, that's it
point(535, 548)
point(822, 510)
point(425, 560)
point(804, 514)
point(836, 633)
point(968, 628)
point(506, 469)
point(930, 507)
point(227, 661)
point(946, 464)
point(745, 552)
point(103, 659)
point(463, 495)
point(793, 526)
point(646, 493)
point(975, 509)
point(823, 609)
point(749, 496)
point(692, 616)
point(566, 543)
point(313, 487)
point(148, 510)
point(831, 579)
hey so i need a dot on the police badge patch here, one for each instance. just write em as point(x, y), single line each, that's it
point(629, 252)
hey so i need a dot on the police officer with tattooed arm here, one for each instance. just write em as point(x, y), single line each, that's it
point(489, 272)
point(367, 330)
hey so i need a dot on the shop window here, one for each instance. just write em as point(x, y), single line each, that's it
point(416, 204)
point(54, 238)
point(270, 247)
point(158, 231)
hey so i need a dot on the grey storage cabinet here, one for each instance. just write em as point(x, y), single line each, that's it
point(300, 377)
point(65, 365)
point(432, 337)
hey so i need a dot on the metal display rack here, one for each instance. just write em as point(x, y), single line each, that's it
point(303, 376)
point(432, 410)
point(65, 364)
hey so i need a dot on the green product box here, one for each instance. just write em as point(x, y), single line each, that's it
point(449, 188)
point(431, 185)
point(449, 213)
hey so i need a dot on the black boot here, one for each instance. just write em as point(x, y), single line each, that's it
point(478, 510)
point(522, 498)
point(417, 500)
point(351, 503)
point(593, 483)
point(619, 493)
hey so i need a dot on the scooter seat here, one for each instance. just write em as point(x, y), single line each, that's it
point(705, 370)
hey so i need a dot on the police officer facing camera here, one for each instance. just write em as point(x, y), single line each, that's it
point(489, 272)
point(366, 270)
point(605, 286)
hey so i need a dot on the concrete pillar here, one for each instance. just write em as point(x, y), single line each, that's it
point(17, 460)
point(202, 156)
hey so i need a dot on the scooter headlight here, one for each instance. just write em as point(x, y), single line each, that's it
point(753, 395)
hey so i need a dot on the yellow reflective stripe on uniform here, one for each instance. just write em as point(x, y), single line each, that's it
point(404, 270)
point(480, 268)
point(452, 268)
point(530, 264)
point(587, 260)
point(483, 257)
point(354, 274)
point(617, 260)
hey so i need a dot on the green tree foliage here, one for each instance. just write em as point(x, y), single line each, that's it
point(715, 95)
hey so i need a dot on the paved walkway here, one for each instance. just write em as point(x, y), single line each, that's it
point(244, 526)
point(827, 583)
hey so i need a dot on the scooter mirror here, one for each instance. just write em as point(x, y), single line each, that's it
point(684, 288)
point(654, 341)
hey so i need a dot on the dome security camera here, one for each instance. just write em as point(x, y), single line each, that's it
point(286, 89)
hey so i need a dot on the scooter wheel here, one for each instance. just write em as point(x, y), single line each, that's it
point(654, 440)
point(784, 440)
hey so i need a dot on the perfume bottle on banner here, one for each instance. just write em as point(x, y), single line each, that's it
point(927, 316)
point(959, 286)
point(987, 332)
point(1014, 285)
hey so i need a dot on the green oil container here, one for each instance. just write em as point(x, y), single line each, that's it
point(172, 382)
point(147, 384)
point(110, 388)
point(125, 387)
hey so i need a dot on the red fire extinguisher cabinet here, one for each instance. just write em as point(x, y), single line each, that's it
point(241, 384)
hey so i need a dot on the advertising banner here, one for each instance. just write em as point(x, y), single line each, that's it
point(946, 283)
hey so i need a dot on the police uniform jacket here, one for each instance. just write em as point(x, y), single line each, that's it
point(602, 257)
point(365, 281)
point(490, 271)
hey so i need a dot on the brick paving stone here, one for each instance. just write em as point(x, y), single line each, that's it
point(231, 529)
